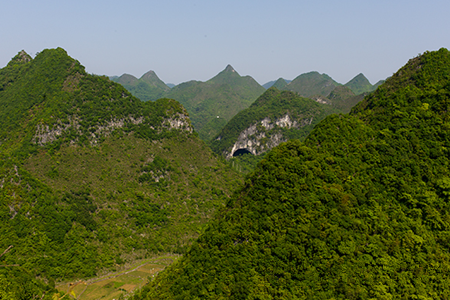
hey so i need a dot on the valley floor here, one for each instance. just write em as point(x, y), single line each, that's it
point(113, 285)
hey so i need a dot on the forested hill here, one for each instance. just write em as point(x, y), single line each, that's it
point(213, 103)
point(275, 117)
point(360, 210)
point(312, 84)
point(91, 177)
point(360, 84)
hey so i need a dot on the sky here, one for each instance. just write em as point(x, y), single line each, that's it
point(195, 40)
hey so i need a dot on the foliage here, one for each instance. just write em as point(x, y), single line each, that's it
point(360, 85)
point(76, 151)
point(312, 84)
point(343, 99)
point(221, 98)
point(245, 163)
point(359, 210)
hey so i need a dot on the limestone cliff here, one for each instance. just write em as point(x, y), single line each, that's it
point(266, 134)
point(275, 117)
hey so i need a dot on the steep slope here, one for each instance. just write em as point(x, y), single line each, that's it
point(213, 103)
point(360, 84)
point(91, 177)
point(275, 117)
point(312, 84)
point(147, 88)
point(358, 211)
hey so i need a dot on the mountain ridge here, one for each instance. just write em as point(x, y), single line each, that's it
point(147, 88)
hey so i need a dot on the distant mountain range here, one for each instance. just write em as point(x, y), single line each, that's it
point(213, 103)
point(147, 88)
point(316, 84)
point(279, 83)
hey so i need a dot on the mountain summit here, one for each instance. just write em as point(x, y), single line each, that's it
point(227, 76)
point(360, 84)
point(213, 103)
point(229, 68)
point(147, 88)
point(312, 84)
point(21, 57)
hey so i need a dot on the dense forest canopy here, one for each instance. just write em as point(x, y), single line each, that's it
point(359, 210)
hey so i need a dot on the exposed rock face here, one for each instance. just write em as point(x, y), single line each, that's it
point(178, 121)
point(46, 134)
point(265, 134)
point(24, 57)
point(49, 133)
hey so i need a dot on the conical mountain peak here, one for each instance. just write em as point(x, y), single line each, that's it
point(359, 84)
point(149, 76)
point(127, 79)
point(229, 68)
point(21, 57)
point(312, 84)
point(149, 73)
point(229, 73)
point(153, 81)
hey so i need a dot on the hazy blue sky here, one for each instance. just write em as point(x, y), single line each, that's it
point(184, 40)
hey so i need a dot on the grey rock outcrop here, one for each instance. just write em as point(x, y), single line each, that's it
point(265, 134)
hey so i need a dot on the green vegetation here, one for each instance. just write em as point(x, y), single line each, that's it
point(343, 99)
point(312, 84)
point(213, 103)
point(91, 177)
point(280, 83)
point(360, 84)
point(118, 285)
point(359, 210)
point(245, 163)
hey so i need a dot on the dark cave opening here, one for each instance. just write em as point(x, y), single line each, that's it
point(241, 152)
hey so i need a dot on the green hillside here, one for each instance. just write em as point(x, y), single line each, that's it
point(312, 84)
point(213, 103)
point(360, 84)
point(147, 88)
point(343, 98)
point(91, 177)
point(360, 210)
